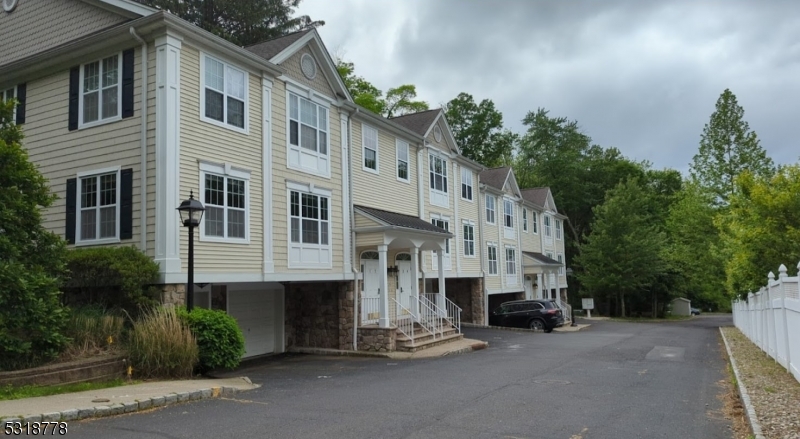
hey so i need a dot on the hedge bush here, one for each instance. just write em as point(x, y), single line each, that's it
point(112, 278)
point(218, 335)
point(161, 345)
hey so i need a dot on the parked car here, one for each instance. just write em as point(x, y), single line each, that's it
point(543, 315)
point(695, 311)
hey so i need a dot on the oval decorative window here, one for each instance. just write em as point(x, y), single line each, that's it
point(308, 66)
point(437, 133)
point(9, 5)
point(403, 257)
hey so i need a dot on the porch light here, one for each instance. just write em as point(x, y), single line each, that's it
point(191, 212)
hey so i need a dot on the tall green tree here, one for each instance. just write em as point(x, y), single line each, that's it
point(622, 257)
point(397, 101)
point(31, 258)
point(242, 22)
point(478, 131)
point(761, 229)
point(728, 147)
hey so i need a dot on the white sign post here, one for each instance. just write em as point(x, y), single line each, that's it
point(588, 305)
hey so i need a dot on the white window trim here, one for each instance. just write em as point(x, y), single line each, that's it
point(493, 209)
point(560, 258)
point(511, 203)
point(308, 188)
point(547, 224)
point(535, 221)
point(559, 229)
point(223, 124)
point(377, 169)
point(505, 260)
point(95, 172)
point(3, 90)
point(471, 185)
point(226, 170)
point(432, 191)
point(305, 94)
point(525, 219)
point(491, 244)
point(398, 143)
point(463, 238)
point(99, 121)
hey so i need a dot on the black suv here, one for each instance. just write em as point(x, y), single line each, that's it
point(538, 314)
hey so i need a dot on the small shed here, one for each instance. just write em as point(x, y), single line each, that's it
point(681, 306)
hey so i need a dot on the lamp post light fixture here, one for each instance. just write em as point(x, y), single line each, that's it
point(572, 317)
point(191, 212)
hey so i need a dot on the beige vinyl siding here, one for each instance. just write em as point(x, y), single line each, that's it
point(362, 221)
point(492, 233)
point(61, 154)
point(319, 83)
point(442, 145)
point(151, 152)
point(453, 183)
point(37, 25)
point(281, 173)
point(383, 191)
point(531, 242)
point(368, 241)
point(200, 140)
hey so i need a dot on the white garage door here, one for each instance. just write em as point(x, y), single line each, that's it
point(255, 313)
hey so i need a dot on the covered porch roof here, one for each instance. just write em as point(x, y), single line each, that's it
point(397, 230)
point(533, 262)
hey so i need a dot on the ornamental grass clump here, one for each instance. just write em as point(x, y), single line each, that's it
point(161, 345)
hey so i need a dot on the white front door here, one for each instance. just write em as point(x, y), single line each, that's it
point(370, 293)
point(528, 288)
point(404, 289)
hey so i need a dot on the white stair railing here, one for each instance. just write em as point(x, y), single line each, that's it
point(370, 310)
point(451, 312)
point(430, 317)
point(404, 321)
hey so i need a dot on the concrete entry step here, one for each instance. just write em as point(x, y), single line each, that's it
point(418, 346)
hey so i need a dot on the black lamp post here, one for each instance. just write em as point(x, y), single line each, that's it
point(191, 212)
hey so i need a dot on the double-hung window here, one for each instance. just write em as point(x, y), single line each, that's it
point(308, 135)
point(8, 94)
point(402, 160)
point(491, 253)
point(490, 209)
point(548, 231)
point(370, 142)
point(558, 229)
point(438, 181)
point(310, 227)
point(511, 262)
point(100, 91)
point(508, 213)
point(225, 195)
point(98, 216)
point(224, 94)
point(466, 184)
point(561, 260)
point(535, 222)
point(442, 223)
point(469, 239)
point(525, 220)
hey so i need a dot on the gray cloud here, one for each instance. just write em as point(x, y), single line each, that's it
point(639, 75)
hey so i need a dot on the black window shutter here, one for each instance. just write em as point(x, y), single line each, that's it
point(22, 92)
point(74, 95)
point(72, 185)
point(127, 83)
point(126, 205)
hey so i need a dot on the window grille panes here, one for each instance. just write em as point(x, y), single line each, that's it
point(466, 183)
point(438, 174)
point(308, 125)
point(492, 256)
point(225, 93)
point(469, 240)
point(490, 209)
point(511, 267)
point(98, 207)
point(508, 213)
point(309, 218)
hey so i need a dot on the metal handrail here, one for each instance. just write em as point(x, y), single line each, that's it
point(405, 324)
point(430, 316)
point(451, 311)
point(370, 310)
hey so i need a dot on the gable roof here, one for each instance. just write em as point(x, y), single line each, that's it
point(128, 8)
point(399, 220)
point(270, 48)
point(541, 259)
point(419, 122)
point(536, 195)
point(495, 177)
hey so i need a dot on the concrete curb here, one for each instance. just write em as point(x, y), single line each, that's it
point(473, 347)
point(748, 406)
point(127, 407)
point(338, 352)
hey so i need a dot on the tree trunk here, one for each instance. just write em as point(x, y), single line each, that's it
point(622, 305)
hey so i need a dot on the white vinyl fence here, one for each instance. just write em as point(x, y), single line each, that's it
point(770, 318)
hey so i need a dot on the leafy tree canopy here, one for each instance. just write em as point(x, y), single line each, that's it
point(242, 22)
point(397, 101)
point(478, 131)
point(728, 147)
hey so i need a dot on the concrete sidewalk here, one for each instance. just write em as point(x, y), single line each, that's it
point(118, 400)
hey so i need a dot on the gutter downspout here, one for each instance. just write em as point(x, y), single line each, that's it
point(143, 145)
point(356, 286)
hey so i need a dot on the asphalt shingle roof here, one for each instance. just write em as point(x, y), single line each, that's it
point(542, 258)
point(268, 49)
point(417, 122)
point(495, 177)
point(536, 195)
point(401, 220)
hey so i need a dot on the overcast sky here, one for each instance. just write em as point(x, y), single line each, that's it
point(640, 75)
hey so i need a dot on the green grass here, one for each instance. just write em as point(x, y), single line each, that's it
point(11, 392)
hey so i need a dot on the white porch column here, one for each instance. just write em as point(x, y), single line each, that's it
point(383, 283)
point(415, 281)
point(539, 286)
point(558, 288)
point(440, 302)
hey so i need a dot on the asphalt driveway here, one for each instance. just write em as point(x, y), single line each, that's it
point(612, 380)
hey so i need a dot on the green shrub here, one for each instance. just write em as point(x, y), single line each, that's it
point(112, 278)
point(218, 335)
point(93, 330)
point(161, 345)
